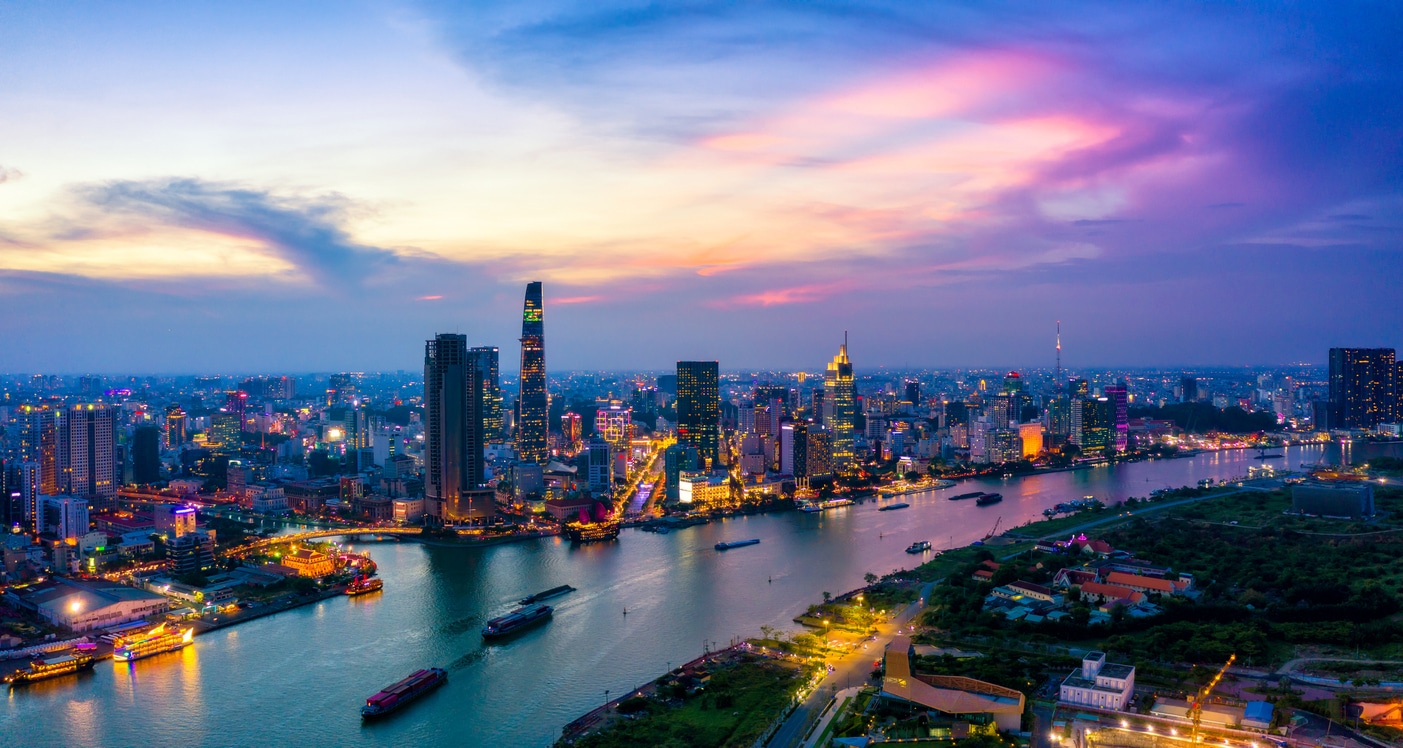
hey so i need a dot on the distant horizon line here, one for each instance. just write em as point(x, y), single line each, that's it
point(817, 372)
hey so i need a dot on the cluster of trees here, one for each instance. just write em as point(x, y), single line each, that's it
point(1202, 417)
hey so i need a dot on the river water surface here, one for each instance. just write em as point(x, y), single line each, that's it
point(301, 676)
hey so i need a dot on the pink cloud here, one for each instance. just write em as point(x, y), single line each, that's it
point(577, 300)
point(428, 298)
point(806, 294)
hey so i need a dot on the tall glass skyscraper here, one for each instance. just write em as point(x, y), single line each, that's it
point(486, 357)
point(531, 406)
point(453, 459)
point(841, 400)
point(1363, 387)
point(699, 408)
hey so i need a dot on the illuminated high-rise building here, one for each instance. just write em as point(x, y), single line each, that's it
point(39, 444)
point(615, 425)
point(453, 456)
point(572, 427)
point(236, 403)
point(487, 358)
point(532, 404)
point(224, 436)
point(1363, 387)
point(1120, 416)
point(840, 387)
point(90, 453)
point(175, 426)
point(699, 408)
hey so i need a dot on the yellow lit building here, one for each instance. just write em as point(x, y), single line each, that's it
point(1031, 435)
point(310, 563)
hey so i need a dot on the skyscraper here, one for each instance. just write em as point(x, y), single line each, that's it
point(453, 458)
point(532, 405)
point(699, 408)
point(175, 426)
point(1120, 417)
point(487, 363)
point(841, 392)
point(90, 450)
point(39, 444)
point(1363, 387)
point(146, 454)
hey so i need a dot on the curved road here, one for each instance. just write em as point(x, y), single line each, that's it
point(852, 670)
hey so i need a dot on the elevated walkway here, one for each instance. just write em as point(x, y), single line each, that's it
point(949, 694)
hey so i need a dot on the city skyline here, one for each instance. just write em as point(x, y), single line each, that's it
point(946, 183)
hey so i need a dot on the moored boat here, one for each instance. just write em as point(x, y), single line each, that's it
point(826, 505)
point(517, 620)
point(582, 532)
point(970, 495)
point(393, 697)
point(153, 642)
point(362, 584)
point(889, 507)
point(736, 544)
point(989, 498)
point(51, 667)
point(920, 546)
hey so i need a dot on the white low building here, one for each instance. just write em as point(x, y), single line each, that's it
point(1099, 684)
point(84, 607)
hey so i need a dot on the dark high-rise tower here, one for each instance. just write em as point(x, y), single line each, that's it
point(486, 357)
point(1363, 387)
point(699, 408)
point(531, 405)
point(146, 454)
point(453, 459)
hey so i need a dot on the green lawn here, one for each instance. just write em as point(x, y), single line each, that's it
point(733, 710)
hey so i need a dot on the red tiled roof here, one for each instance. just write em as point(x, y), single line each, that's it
point(1148, 583)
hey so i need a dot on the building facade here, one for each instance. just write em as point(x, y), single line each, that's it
point(840, 404)
point(699, 408)
point(532, 404)
point(1363, 387)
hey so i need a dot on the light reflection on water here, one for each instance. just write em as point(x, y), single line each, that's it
point(301, 675)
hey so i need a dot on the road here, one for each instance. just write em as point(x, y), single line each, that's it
point(1291, 665)
point(852, 670)
point(1123, 516)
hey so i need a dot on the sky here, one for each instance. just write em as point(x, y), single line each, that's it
point(239, 187)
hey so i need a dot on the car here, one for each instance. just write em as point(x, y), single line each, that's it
point(1233, 522)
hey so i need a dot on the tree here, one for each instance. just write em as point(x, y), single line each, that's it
point(827, 597)
point(869, 578)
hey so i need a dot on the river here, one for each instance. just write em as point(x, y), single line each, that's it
point(300, 676)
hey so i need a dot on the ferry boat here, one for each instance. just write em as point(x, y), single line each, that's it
point(903, 488)
point(393, 697)
point(580, 532)
point(153, 642)
point(989, 498)
point(963, 496)
point(736, 544)
point(51, 667)
point(889, 507)
point(362, 584)
point(517, 620)
point(563, 589)
point(826, 505)
point(920, 546)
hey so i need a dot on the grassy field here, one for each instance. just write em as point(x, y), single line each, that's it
point(734, 709)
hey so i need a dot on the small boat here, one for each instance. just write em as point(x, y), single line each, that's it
point(736, 544)
point(563, 589)
point(889, 507)
point(393, 697)
point(963, 496)
point(51, 667)
point(989, 498)
point(920, 546)
point(362, 584)
point(516, 620)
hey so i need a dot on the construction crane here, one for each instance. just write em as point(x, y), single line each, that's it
point(996, 528)
point(1196, 708)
